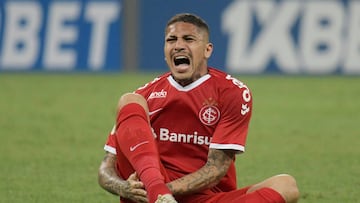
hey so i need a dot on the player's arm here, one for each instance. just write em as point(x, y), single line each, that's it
point(208, 176)
point(131, 188)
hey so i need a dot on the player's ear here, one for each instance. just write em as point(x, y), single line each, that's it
point(208, 50)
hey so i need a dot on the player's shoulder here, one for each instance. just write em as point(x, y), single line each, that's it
point(159, 79)
point(231, 89)
point(225, 80)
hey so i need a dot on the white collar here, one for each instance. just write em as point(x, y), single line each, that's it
point(190, 86)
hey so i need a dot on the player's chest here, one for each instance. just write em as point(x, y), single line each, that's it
point(196, 106)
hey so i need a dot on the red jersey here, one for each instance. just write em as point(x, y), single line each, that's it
point(212, 112)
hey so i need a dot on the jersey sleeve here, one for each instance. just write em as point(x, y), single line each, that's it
point(110, 145)
point(236, 109)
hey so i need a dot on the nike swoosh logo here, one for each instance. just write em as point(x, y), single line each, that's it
point(153, 112)
point(136, 146)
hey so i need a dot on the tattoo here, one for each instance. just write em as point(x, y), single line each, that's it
point(108, 179)
point(208, 176)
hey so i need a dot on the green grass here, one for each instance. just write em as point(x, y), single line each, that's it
point(53, 128)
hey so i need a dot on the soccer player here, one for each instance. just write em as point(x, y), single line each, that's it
point(178, 135)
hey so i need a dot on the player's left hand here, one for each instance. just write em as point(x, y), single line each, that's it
point(134, 190)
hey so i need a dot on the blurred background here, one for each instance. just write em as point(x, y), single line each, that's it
point(255, 37)
point(65, 63)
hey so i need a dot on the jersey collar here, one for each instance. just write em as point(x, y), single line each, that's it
point(190, 86)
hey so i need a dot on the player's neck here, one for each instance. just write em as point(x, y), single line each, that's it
point(188, 81)
point(184, 82)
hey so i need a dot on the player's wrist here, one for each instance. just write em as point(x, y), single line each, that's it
point(123, 188)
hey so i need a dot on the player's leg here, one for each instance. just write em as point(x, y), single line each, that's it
point(277, 189)
point(283, 184)
point(136, 142)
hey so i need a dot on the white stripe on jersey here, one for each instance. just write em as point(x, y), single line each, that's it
point(237, 147)
point(110, 149)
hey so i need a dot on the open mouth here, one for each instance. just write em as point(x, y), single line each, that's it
point(181, 60)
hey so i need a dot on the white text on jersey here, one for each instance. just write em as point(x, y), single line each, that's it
point(161, 94)
point(166, 135)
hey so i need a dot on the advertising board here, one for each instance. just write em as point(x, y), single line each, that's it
point(291, 37)
point(311, 37)
point(47, 35)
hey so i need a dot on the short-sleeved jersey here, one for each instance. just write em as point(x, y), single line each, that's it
point(212, 112)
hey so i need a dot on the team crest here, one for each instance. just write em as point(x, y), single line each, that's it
point(209, 114)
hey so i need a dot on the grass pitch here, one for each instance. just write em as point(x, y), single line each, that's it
point(53, 128)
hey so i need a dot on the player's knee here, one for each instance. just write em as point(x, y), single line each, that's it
point(289, 188)
point(132, 98)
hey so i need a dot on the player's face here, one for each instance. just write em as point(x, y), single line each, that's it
point(186, 49)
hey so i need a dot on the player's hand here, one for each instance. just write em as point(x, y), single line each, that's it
point(134, 190)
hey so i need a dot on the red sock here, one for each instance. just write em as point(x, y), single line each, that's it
point(137, 143)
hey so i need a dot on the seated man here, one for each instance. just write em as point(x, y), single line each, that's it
point(178, 135)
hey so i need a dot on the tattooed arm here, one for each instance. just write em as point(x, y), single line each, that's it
point(208, 176)
point(131, 188)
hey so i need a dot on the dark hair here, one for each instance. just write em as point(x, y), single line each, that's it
point(189, 18)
